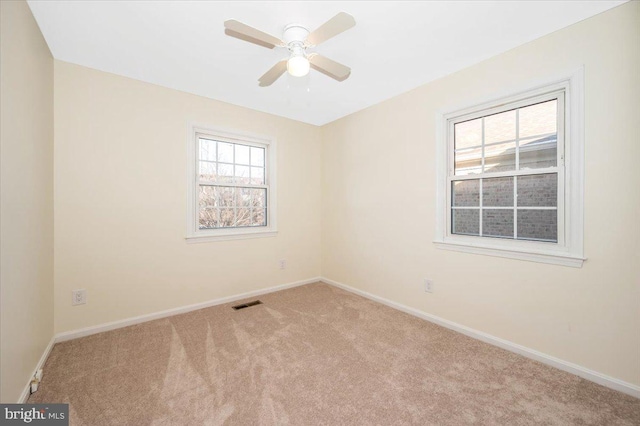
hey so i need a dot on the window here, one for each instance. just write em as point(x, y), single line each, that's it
point(512, 177)
point(231, 186)
point(504, 182)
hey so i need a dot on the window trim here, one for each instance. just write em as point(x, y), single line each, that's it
point(568, 252)
point(196, 235)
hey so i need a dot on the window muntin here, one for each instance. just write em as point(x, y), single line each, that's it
point(506, 171)
point(232, 178)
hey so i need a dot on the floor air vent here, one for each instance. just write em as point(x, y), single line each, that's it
point(247, 305)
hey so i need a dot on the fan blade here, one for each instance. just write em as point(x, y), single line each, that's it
point(328, 67)
point(334, 26)
point(249, 39)
point(273, 74)
point(244, 32)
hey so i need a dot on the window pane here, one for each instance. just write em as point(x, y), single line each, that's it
point(225, 173)
point(207, 171)
point(536, 153)
point(207, 150)
point(216, 196)
point(538, 121)
point(259, 217)
point(468, 161)
point(242, 174)
point(217, 207)
point(243, 217)
point(538, 225)
point(538, 190)
point(497, 223)
point(206, 196)
point(227, 218)
point(465, 221)
point(243, 197)
point(466, 193)
point(497, 192)
point(242, 154)
point(468, 133)
point(225, 152)
point(225, 196)
point(257, 175)
point(257, 156)
point(500, 127)
point(209, 218)
point(539, 135)
point(258, 198)
point(499, 158)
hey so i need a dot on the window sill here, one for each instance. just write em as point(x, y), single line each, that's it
point(235, 235)
point(551, 257)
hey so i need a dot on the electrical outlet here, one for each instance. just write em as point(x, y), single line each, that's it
point(79, 297)
point(283, 264)
point(428, 285)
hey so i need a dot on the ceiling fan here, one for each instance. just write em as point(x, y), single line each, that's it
point(297, 39)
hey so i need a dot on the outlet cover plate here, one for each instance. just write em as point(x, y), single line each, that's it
point(78, 297)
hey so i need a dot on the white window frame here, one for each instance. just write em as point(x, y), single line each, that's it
point(568, 251)
point(196, 235)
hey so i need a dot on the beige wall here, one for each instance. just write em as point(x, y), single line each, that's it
point(26, 91)
point(120, 201)
point(379, 205)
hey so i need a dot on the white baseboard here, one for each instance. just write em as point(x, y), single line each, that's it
point(27, 390)
point(569, 367)
point(82, 332)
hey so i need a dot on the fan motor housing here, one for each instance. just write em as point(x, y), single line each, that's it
point(295, 34)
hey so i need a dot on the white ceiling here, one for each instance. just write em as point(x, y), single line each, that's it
point(394, 47)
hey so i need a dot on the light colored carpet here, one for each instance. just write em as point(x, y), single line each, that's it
point(313, 355)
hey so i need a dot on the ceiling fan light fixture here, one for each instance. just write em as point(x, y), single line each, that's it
point(298, 65)
point(296, 39)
